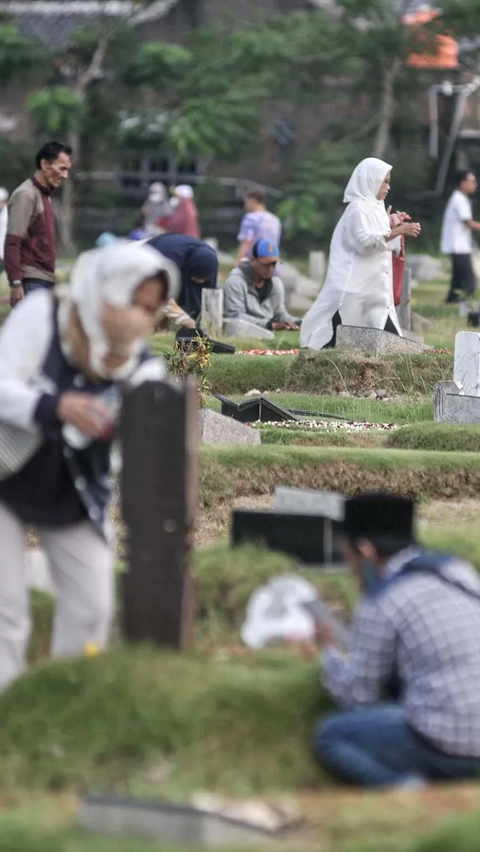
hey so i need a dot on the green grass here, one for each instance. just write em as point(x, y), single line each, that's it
point(446, 437)
point(305, 438)
point(238, 374)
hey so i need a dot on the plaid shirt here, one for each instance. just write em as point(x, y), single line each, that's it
point(427, 633)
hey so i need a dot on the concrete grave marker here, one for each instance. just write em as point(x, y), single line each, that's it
point(466, 368)
point(243, 328)
point(373, 341)
point(318, 265)
point(211, 321)
point(440, 393)
point(328, 504)
point(220, 430)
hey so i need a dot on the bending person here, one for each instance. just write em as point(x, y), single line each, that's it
point(253, 292)
point(358, 289)
point(198, 266)
point(62, 366)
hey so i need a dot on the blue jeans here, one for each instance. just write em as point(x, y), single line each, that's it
point(32, 284)
point(375, 747)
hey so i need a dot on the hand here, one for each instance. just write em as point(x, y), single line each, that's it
point(91, 416)
point(189, 323)
point(285, 326)
point(16, 295)
point(411, 229)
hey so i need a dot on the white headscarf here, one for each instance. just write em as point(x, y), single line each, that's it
point(3, 194)
point(111, 275)
point(364, 185)
point(183, 191)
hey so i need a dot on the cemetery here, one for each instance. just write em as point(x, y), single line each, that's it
point(179, 718)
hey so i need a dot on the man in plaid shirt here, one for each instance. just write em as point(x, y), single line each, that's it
point(416, 635)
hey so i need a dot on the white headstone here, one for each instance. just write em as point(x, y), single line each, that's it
point(466, 368)
point(211, 321)
point(307, 501)
point(317, 266)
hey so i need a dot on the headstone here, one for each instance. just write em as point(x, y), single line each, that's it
point(311, 538)
point(211, 321)
point(439, 397)
point(473, 319)
point(463, 309)
point(424, 267)
point(159, 482)
point(372, 341)
point(176, 825)
point(299, 501)
point(217, 429)
point(461, 409)
point(38, 571)
point(243, 328)
point(404, 309)
point(466, 368)
point(255, 408)
point(212, 242)
point(317, 264)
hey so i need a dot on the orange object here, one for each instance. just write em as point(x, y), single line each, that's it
point(446, 55)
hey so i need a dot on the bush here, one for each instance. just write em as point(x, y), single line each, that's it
point(448, 437)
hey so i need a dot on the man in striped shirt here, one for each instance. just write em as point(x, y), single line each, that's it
point(416, 639)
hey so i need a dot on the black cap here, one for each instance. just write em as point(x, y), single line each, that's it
point(385, 515)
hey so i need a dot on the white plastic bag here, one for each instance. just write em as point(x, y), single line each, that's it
point(275, 614)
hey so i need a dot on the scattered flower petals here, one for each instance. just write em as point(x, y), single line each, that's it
point(268, 352)
point(327, 425)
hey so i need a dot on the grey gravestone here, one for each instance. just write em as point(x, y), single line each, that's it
point(217, 429)
point(159, 486)
point(242, 328)
point(439, 396)
point(461, 409)
point(328, 504)
point(424, 267)
point(173, 825)
point(211, 321)
point(317, 263)
point(466, 369)
point(372, 341)
point(212, 242)
point(404, 309)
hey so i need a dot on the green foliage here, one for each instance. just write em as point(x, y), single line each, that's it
point(437, 436)
point(193, 359)
point(57, 110)
point(19, 55)
point(461, 834)
point(156, 61)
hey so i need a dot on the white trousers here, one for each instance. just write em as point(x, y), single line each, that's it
point(81, 565)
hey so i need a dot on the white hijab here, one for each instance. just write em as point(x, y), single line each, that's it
point(365, 184)
point(110, 276)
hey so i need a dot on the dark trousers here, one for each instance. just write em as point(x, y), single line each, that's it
point(463, 277)
point(32, 284)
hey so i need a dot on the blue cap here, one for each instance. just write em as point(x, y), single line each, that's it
point(266, 248)
point(106, 239)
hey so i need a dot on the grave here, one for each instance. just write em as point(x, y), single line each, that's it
point(309, 537)
point(254, 409)
point(220, 430)
point(176, 825)
point(211, 320)
point(440, 393)
point(466, 370)
point(328, 504)
point(461, 408)
point(242, 328)
point(373, 341)
point(158, 484)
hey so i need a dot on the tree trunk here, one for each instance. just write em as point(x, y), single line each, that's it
point(387, 110)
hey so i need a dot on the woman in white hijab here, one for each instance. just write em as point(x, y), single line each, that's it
point(358, 288)
point(63, 363)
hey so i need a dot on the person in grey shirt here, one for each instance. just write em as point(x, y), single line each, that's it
point(253, 292)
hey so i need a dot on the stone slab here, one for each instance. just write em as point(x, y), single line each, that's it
point(317, 265)
point(220, 430)
point(373, 341)
point(173, 825)
point(38, 571)
point(439, 396)
point(424, 267)
point(300, 501)
point(466, 367)
point(242, 328)
point(461, 409)
point(211, 321)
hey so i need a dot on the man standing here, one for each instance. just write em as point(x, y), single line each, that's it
point(415, 643)
point(254, 293)
point(30, 245)
point(457, 237)
point(257, 224)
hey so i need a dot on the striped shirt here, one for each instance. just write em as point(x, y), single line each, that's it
point(426, 632)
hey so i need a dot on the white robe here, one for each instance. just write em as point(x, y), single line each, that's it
point(359, 281)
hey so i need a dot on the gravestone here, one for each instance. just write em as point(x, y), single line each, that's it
point(211, 321)
point(243, 328)
point(328, 504)
point(461, 409)
point(212, 242)
point(441, 390)
point(312, 538)
point(220, 430)
point(317, 264)
point(159, 482)
point(373, 341)
point(466, 369)
point(404, 309)
point(255, 408)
